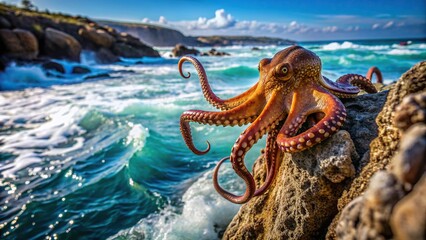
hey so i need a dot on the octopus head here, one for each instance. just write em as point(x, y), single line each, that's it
point(289, 68)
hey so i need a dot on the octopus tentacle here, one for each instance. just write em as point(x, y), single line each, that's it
point(208, 93)
point(375, 70)
point(335, 115)
point(272, 157)
point(339, 89)
point(359, 81)
point(266, 121)
point(243, 114)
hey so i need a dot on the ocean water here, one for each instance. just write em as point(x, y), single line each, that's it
point(101, 157)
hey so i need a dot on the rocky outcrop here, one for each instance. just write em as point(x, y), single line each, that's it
point(62, 36)
point(18, 43)
point(303, 199)
point(181, 50)
point(214, 52)
point(385, 146)
point(60, 45)
point(98, 37)
point(393, 205)
point(330, 192)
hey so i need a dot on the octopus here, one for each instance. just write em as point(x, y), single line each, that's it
point(292, 103)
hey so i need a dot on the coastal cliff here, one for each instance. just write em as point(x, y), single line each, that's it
point(28, 35)
point(347, 188)
point(163, 36)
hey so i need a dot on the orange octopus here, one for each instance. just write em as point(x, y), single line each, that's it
point(291, 92)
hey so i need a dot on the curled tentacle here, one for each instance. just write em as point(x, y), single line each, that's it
point(266, 121)
point(272, 157)
point(335, 115)
point(359, 81)
point(375, 70)
point(208, 93)
point(244, 114)
point(339, 89)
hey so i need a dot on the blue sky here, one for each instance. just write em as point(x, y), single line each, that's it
point(297, 19)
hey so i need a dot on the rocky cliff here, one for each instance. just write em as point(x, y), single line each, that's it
point(27, 34)
point(347, 188)
point(162, 36)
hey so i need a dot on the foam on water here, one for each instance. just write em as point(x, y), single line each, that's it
point(403, 52)
point(204, 214)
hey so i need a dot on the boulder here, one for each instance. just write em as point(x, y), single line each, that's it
point(181, 50)
point(18, 43)
point(105, 56)
point(131, 51)
point(98, 37)
point(55, 66)
point(408, 220)
point(214, 52)
point(80, 70)
point(61, 45)
point(4, 23)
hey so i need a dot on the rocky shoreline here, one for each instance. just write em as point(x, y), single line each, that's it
point(365, 182)
point(27, 35)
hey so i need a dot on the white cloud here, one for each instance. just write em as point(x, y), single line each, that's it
point(224, 23)
point(330, 29)
point(162, 20)
point(375, 26)
point(388, 24)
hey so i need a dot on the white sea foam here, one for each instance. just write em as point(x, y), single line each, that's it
point(204, 214)
point(350, 45)
point(402, 52)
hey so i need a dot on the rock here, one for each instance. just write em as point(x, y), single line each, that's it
point(412, 110)
point(409, 164)
point(61, 45)
point(408, 220)
point(80, 70)
point(51, 65)
point(3, 64)
point(255, 49)
point(214, 52)
point(4, 23)
point(129, 51)
point(385, 208)
point(99, 37)
point(302, 200)
point(105, 56)
point(180, 50)
point(18, 43)
point(384, 147)
point(367, 216)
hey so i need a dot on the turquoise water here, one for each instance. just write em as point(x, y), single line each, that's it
point(104, 158)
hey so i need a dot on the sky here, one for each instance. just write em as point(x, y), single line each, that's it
point(301, 20)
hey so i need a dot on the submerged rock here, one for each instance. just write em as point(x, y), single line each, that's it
point(55, 66)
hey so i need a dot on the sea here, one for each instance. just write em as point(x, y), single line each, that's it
point(100, 155)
